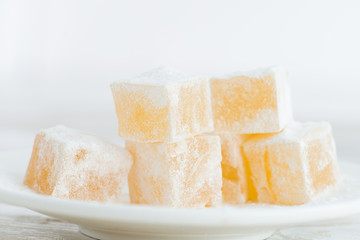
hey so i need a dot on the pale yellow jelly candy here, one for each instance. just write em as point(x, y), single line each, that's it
point(295, 166)
point(253, 102)
point(162, 105)
point(69, 164)
point(185, 173)
point(237, 186)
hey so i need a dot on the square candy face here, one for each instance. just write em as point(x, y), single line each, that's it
point(295, 166)
point(162, 105)
point(254, 102)
point(142, 112)
point(321, 160)
point(185, 173)
point(69, 164)
point(190, 108)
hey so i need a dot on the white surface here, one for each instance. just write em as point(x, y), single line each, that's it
point(59, 57)
point(159, 77)
point(19, 224)
point(220, 222)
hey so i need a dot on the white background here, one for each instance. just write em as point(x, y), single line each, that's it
point(57, 58)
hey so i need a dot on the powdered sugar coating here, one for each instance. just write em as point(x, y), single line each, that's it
point(294, 132)
point(162, 105)
point(294, 166)
point(70, 164)
point(251, 102)
point(184, 173)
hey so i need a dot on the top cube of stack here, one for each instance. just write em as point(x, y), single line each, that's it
point(162, 105)
point(251, 102)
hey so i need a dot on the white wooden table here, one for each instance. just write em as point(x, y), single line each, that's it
point(20, 223)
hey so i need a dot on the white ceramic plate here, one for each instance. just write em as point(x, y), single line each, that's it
point(126, 221)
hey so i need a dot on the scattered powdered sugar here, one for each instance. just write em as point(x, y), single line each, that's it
point(264, 119)
point(74, 137)
point(78, 159)
point(294, 132)
point(157, 95)
point(299, 130)
point(175, 173)
point(160, 76)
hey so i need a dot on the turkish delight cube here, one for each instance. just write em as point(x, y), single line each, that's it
point(66, 163)
point(294, 166)
point(253, 102)
point(162, 105)
point(184, 173)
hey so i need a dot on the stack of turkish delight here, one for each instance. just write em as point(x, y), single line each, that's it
point(193, 142)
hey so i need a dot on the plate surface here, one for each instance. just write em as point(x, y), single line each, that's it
point(113, 221)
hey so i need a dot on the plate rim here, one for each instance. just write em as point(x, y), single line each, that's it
point(224, 216)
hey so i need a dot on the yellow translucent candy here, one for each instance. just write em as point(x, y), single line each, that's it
point(162, 105)
point(236, 183)
point(185, 173)
point(69, 164)
point(295, 166)
point(254, 102)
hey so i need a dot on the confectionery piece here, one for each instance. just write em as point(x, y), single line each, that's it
point(185, 173)
point(69, 164)
point(253, 102)
point(162, 105)
point(237, 186)
point(295, 166)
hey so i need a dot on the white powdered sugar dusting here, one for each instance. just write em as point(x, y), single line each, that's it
point(175, 173)
point(294, 132)
point(78, 158)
